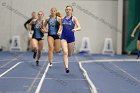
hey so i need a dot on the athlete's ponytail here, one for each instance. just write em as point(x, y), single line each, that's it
point(58, 14)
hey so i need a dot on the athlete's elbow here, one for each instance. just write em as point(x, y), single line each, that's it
point(79, 28)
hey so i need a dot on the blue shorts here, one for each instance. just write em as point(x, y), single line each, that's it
point(69, 39)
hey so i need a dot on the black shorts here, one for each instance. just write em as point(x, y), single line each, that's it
point(38, 39)
point(139, 37)
point(55, 36)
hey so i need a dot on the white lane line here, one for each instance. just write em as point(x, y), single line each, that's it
point(19, 78)
point(54, 61)
point(8, 62)
point(7, 59)
point(110, 60)
point(11, 61)
point(32, 84)
point(92, 86)
point(115, 60)
point(126, 72)
point(10, 69)
point(42, 79)
point(66, 79)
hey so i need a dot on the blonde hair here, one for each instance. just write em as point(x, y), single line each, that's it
point(54, 9)
point(58, 14)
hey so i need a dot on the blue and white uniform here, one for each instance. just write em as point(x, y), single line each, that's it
point(37, 31)
point(53, 27)
point(67, 32)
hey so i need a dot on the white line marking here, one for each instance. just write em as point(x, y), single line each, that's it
point(20, 78)
point(32, 84)
point(42, 79)
point(110, 60)
point(126, 72)
point(65, 79)
point(39, 78)
point(91, 61)
point(52, 62)
point(10, 69)
point(7, 59)
point(92, 86)
point(10, 61)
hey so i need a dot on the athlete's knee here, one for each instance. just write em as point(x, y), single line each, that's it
point(65, 52)
point(39, 51)
point(34, 46)
point(57, 51)
point(70, 54)
point(34, 49)
point(51, 48)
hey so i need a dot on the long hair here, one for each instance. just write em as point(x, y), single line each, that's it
point(53, 9)
point(58, 14)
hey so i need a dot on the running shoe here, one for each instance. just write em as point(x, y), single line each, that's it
point(50, 65)
point(37, 63)
point(67, 70)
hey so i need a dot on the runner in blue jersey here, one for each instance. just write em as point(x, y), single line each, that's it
point(67, 36)
point(37, 38)
point(138, 41)
point(54, 30)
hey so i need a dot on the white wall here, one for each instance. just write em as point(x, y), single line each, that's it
point(96, 18)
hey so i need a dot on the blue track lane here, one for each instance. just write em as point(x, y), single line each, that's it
point(108, 77)
point(111, 79)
